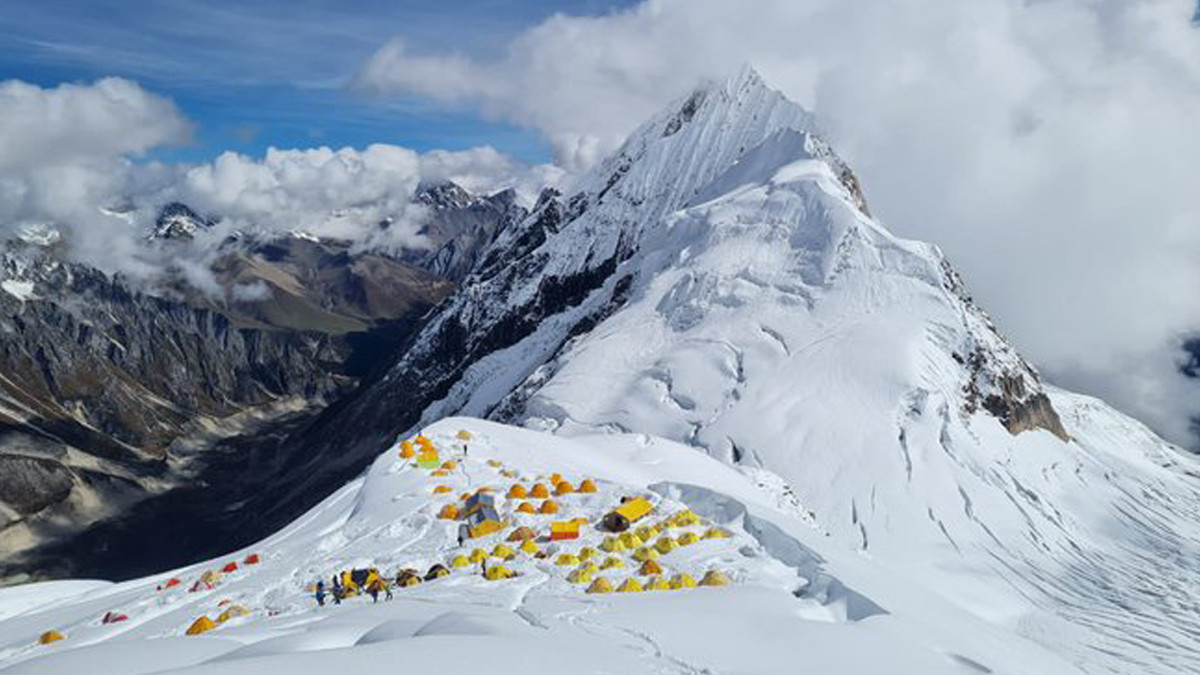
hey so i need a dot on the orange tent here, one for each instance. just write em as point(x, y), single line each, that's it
point(521, 534)
point(406, 450)
point(526, 507)
point(539, 491)
point(548, 507)
point(563, 488)
point(517, 491)
point(448, 512)
point(172, 582)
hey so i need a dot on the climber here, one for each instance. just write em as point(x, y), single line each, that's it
point(464, 533)
point(320, 593)
point(338, 591)
point(373, 589)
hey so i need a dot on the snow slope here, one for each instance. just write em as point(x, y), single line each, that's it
point(772, 323)
point(797, 601)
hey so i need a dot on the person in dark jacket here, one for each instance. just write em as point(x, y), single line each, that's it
point(320, 594)
point(338, 591)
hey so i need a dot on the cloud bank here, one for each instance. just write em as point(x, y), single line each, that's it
point(69, 159)
point(1051, 148)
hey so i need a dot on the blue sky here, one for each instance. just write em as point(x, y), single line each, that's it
point(273, 72)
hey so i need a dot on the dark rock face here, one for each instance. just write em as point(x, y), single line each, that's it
point(461, 226)
point(1000, 381)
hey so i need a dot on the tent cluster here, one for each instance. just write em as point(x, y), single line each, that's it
point(210, 579)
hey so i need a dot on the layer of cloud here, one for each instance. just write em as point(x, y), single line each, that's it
point(68, 160)
point(1049, 147)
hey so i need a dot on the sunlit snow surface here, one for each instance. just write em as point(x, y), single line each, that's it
point(797, 602)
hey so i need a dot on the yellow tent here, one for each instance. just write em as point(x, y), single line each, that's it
point(589, 566)
point(580, 576)
point(441, 489)
point(687, 539)
point(201, 625)
point(634, 509)
point(503, 552)
point(478, 555)
point(600, 585)
point(539, 491)
point(650, 567)
point(665, 545)
point(685, 518)
point(643, 554)
point(630, 585)
point(448, 512)
point(526, 507)
point(498, 572)
point(714, 578)
point(529, 547)
point(463, 435)
point(563, 488)
point(646, 533)
point(517, 491)
point(587, 553)
point(588, 485)
point(716, 533)
point(408, 578)
point(566, 560)
point(460, 561)
point(612, 545)
point(50, 636)
point(612, 562)
point(437, 572)
point(657, 584)
point(439, 473)
point(682, 581)
point(494, 462)
point(548, 507)
point(631, 540)
point(450, 465)
point(231, 612)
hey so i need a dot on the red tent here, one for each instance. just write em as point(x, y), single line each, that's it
point(113, 617)
point(252, 559)
point(231, 567)
point(172, 582)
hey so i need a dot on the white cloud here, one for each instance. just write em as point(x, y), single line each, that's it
point(1050, 147)
point(63, 155)
point(66, 155)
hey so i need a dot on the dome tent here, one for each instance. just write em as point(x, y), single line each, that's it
point(201, 625)
point(630, 585)
point(600, 585)
point(650, 567)
point(682, 581)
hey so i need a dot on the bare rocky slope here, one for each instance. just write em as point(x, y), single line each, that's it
point(111, 393)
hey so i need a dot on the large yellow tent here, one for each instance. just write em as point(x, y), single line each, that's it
point(50, 637)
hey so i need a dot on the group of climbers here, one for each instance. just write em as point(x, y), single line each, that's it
point(349, 583)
